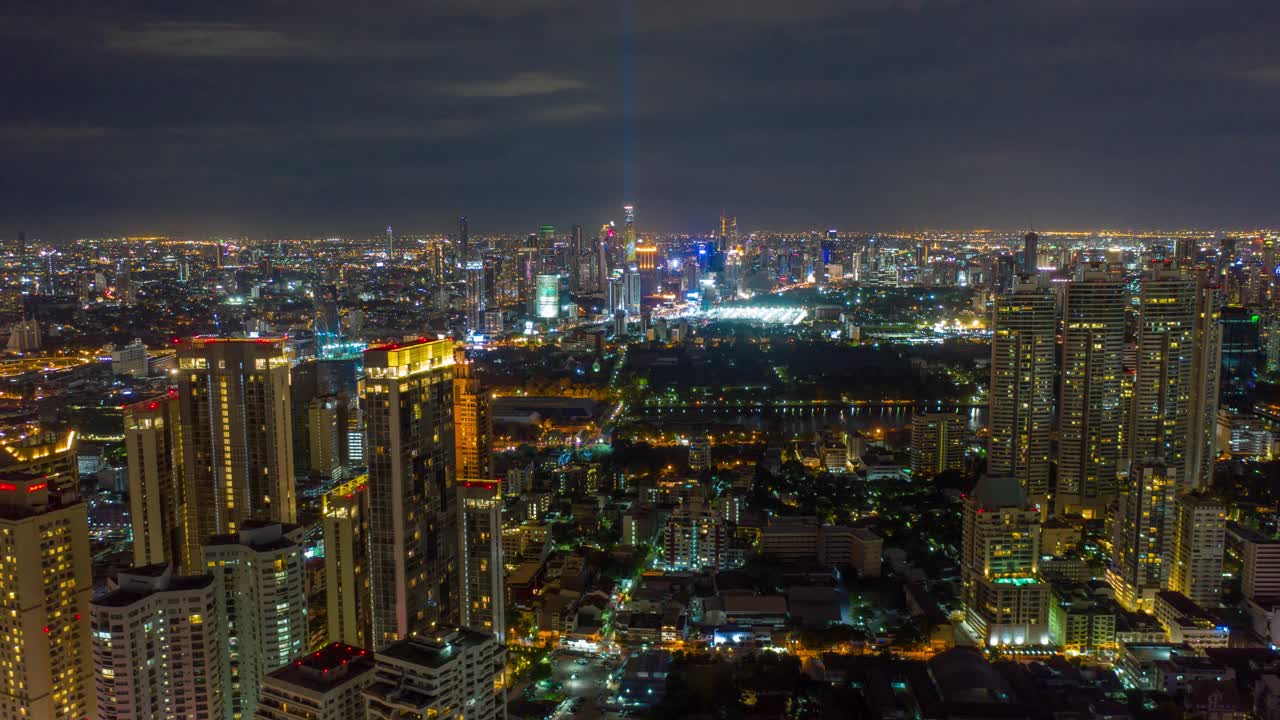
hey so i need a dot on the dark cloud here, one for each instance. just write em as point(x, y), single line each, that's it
point(330, 116)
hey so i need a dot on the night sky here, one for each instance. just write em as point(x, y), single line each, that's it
point(323, 117)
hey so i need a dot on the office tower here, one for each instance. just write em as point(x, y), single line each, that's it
point(1206, 381)
point(480, 568)
point(130, 360)
point(159, 645)
point(1030, 252)
point(445, 676)
point(260, 572)
point(408, 397)
point(237, 437)
point(1022, 374)
point(157, 496)
point(575, 260)
point(728, 231)
point(548, 303)
point(345, 522)
point(1142, 526)
point(1004, 601)
point(694, 540)
point(632, 290)
point(328, 323)
point(324, 439)
point(1160, 424)
point(472, 423)
point(1184, 250)
point(602, 257)
point(629, 232)
point(1199, 541)
point(391, 241)
point(464, 239)
point(328, 684)
point(937, 443)
point(45, 584)
point(1090, 411)
point(475, 294)
point(50, 454)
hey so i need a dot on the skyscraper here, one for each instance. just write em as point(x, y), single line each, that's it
point(237, 438)
point(445, 675)
point(548, 303)
point(159, 647)
point(475, 298)
point(157, 493)
point(1090, 411)
point(1022, 375)
point(1030, 252)
point(348, 597)
point(1004, 602)
point(259, 570)
point(472, 423)
point(1206, 381)
point(327, 684)
point(464, 239)
point(480, 567)
point(629, 232)
point(1199, 543)
point(46, 581)
point(407, 394)
point(1143, 526)
point(937, 443)
point(1160, 425)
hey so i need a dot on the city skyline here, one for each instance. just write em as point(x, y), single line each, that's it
point(874, 114)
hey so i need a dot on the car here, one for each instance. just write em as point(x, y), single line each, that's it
point(583, 661)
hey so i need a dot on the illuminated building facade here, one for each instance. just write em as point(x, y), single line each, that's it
point(260, 572)
point(325, 450)
point(937, 443)
point(159, 647)
point(475, 297)
point(694, 540)
point(407, 394)
point(345, 521)
point(1023, 348)
point(1090, 413)
point(629, 232)
point(48, 453)
point(1143, 526)
point(472, 423)
point(1199, 544)
point(480, 569)
point(548, 302)
point(45, 585)
point(446, 676)
point(1162, 387)
point(157, 494)
point(1206, 384)
point(237, 435)
point(328, 684)
point(1005, 602)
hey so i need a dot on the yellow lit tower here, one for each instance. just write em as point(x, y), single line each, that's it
point(157, 493)
point(45, 584)
point(1162, 389)
point(407, 394)
point(480, 563)
point(346, 562)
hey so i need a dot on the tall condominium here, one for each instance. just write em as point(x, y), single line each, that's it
point(46, 670)
point(480, 568)
point(1142, 530)
point(1004, 602)
point(472, 424)
point(328, 684)
point(937, 443)
point(1199, 543)
point(260, 572)
point(1260, 574)
point(1162, 387)
point(475, 297)
point(1022, 376)
point(37, 450)
point(324, 414)
point(157, 492)
point(345, 519)
point(159, 646)
point(237, 436)
point(1206, 381)
point(407, 396)
point(446, 676)
point(1090, 411)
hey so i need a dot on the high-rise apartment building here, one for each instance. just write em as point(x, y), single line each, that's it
point(323, 434)
point(407, 396)
point(694, 540)
point(46, 670)
point(1141, 541)
point(328, 684)
point(50, 454)
point(1023, 348)
point(475, 297)
point(472, 423)
point(260, 571)
point(160, 646)
point(1260, 574)
point(237, 434)
point(1206, 384)
point(1199, 543)
point(1090, 411)
point(480, 567)
point(1162, 387)
point(937, 443)
point(348, 597)
point(446, 676)
point(157, 490)
point(1005, 602)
